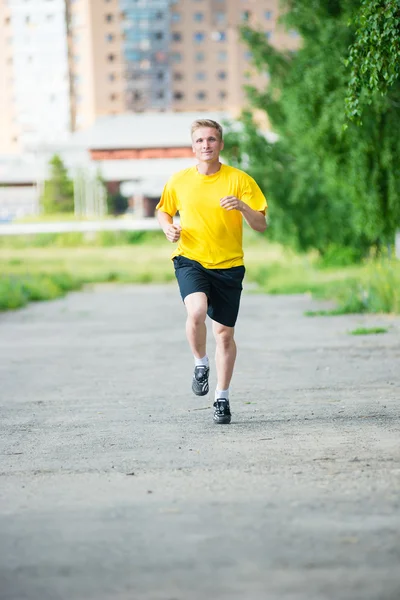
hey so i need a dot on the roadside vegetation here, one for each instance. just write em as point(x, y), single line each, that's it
point(369, 330)
point(47, 266)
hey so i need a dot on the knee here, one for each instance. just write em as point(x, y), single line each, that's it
point(224, 337)
point(197, 316)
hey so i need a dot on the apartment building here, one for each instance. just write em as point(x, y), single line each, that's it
point(179, 55)
point(35, 106)
point(64, 63)
point(209, 63)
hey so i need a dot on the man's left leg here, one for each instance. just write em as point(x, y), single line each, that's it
point(225, 356)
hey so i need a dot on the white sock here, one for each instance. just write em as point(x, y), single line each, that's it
point(201, 362)
point(222, 394)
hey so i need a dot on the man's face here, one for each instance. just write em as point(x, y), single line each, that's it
point(207, 144)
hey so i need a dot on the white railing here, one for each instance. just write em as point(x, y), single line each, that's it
point(147, 224)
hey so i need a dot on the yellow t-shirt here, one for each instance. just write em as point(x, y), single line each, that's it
point(211, 235)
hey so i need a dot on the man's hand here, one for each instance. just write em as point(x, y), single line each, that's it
point(173, 232)
point(254, 218)
point(231, 203)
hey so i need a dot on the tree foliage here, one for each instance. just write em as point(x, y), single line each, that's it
point(374, 56)
point(58, 193)
point(327, 187)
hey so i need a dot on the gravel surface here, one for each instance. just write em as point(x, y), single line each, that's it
point(116, 484)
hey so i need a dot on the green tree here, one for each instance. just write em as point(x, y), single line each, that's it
point(374, 56)
point(334, 188)
point(58, 193)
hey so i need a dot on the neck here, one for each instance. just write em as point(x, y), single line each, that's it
point(208, 168)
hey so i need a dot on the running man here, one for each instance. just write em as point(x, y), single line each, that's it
point(212, 200)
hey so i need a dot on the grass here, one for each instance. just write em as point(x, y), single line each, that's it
point(368, 330)
point(324, 313)
point(16, 291)
point(48, 265)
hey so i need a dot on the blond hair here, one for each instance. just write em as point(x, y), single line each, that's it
point(206, 123)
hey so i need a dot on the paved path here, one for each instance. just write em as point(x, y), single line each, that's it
point(115, 483)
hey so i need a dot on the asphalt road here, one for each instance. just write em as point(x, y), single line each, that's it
point(117, 485)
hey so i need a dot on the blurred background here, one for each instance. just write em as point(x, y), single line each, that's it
point(111, 87)
point(95, 112)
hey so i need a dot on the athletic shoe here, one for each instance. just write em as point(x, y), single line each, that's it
point(222, 413)
point(200, 380)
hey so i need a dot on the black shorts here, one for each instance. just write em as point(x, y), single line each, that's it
point(223, 287)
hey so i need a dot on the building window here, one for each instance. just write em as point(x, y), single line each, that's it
point(198, 37)
point(268, 15)
point(222, 56)
point(248, 55)
point(113, 97)
point(111, 77)
point(220, 17)
point(176, 17)
point(109, 37)
point(178, 95)
point(159, 16)
point(222, 75)
point(111, 57)
point(176, 36)
point(246, 14)
point(158, 35)
point(133, 55)
point(199, 56)
point(200, 75)
point(109, 18)
point(178, 76)
point(160, 95)
point(222, 95)
point(198, 17)
point(218, 36)
point(160, 76)
point(268, 34)
point(176, 57)
point(201, 95)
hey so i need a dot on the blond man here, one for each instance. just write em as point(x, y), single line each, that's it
point(212, 200)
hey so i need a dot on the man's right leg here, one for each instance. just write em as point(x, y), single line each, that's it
point(196, 333)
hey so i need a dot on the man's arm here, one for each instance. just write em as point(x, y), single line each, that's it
point(254, 218)
point(172, 232)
